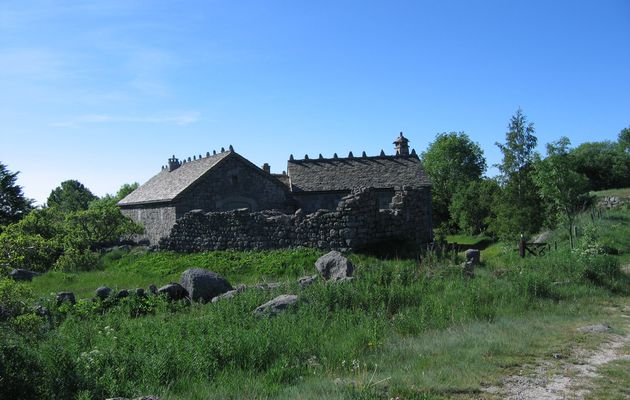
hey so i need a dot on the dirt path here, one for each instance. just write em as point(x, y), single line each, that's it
point(566, 378)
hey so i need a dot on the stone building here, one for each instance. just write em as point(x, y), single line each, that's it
point(227, 181)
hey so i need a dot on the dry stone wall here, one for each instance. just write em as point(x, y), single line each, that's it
point(357, 222)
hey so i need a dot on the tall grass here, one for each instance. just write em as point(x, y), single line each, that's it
point(215, 346)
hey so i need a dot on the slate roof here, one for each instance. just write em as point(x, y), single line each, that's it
point(339, 174)
point(165, 186)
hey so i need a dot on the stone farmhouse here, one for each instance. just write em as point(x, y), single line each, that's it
point(220, 183)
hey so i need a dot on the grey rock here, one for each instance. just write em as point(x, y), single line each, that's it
point(122, 294)
point(334, 266)
point(266, 286)
point(345, 279)
point(473, 255)
point(598, 328)
point(153, 289)
point(19, 274)
point(469, 268)
point(66, 296)
point(276, 306)
point(103, 292)
point(203, 285)
point(173, 291)
point(139, 292)
point(41, 311)
point(307, 280)
point(225, 296)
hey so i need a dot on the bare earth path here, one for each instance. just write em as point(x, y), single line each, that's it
point(566, 378)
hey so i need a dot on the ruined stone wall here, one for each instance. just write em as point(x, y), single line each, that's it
point(357, 222)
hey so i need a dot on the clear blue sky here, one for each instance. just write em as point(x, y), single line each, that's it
point(105, 91)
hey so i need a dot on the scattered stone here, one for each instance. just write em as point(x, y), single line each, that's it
point(19, 274)
point(139, 292)
point(41, 311)
point(345, 279)
point(103, 292)
point(473, 255)
point(173, 291)
point(66, 296)
point(307, 280)
point(153, 289)
point(334, 266)
point(203, 285)
point(122, 294)
point(276, 306)
point(266, 286)
point(225, 296)
point(599, 328)
point(469, 268)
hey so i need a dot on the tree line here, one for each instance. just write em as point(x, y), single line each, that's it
point(65, 234)
point(530, 192)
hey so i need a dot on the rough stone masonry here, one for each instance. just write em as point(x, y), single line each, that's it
point(357, 223)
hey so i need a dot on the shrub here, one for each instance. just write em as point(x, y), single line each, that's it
point(74, 260)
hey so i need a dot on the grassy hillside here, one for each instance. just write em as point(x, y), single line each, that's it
point(413, 328)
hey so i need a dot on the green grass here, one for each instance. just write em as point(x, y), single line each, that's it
point(123, 270)
point(468, 239)
point(413, 328)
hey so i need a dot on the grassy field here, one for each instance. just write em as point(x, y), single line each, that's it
point(410, 328)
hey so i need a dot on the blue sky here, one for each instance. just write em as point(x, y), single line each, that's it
point(105, 91)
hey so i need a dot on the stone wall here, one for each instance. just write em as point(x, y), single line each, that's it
point(157, 220)
point(358, 221)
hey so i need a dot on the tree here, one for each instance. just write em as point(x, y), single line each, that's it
point(518, 209)
point(70, 196)
point(471, 207)
point(451, 161)
point(623, 140)
point(13, 204)
point(606, 164)
point(125, 190)
point(560, 185)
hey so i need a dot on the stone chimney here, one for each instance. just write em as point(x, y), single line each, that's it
point(173, 164)
point(402, 145)
point(267, 168)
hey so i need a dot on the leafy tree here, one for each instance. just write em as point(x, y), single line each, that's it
point(451, 161)
point(624, 140)
point(518, 209)
point(100, 225)
point(606, 164)
point(13, 204)
point(560, 185)
point(70, 196)
point(125, 190)
point(472, 206)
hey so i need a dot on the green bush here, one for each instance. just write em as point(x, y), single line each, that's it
point(74, 260)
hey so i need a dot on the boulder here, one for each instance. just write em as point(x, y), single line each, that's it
point(19, 274)
point(203, 285)
point(122, 294)
point(334, 266)
point(103, 292)
point(66, 296)
point(276, 306)
point(307, 280)
point(173, 291)
point(473, 255)
point(139, 292)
